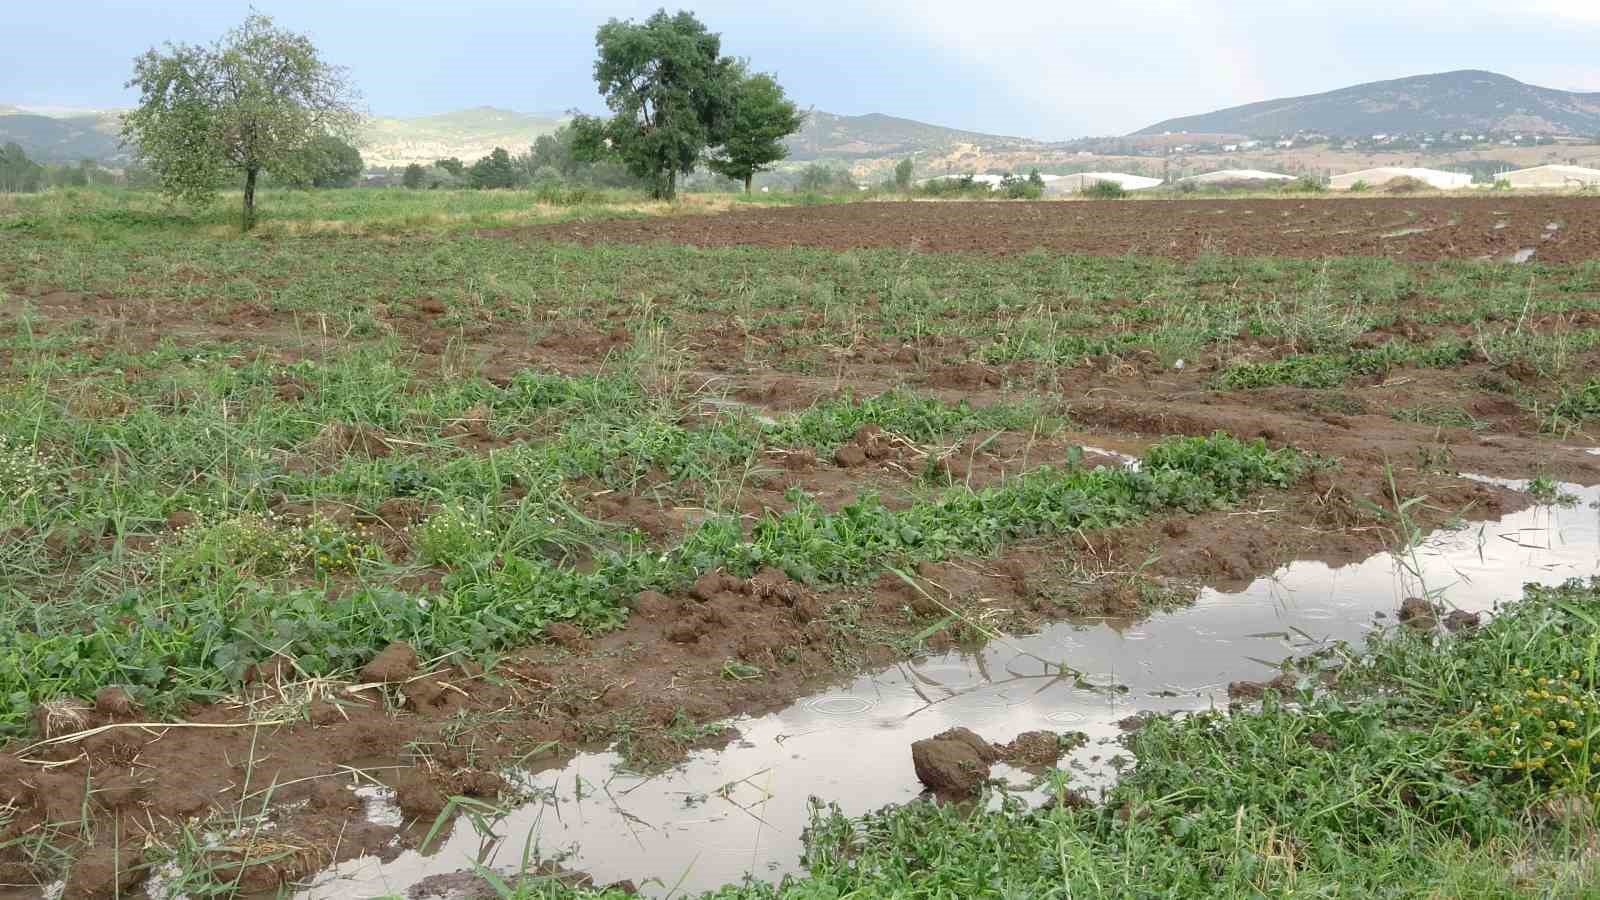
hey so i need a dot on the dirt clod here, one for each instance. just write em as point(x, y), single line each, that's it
point(568, 636)
point(953, 763)
point(105, 872)
point(417, 796)
point(1034, 749)
point(1418, 613)
point(397, 662)
point(115, 703)
point(654, 605)
point(1459, 620)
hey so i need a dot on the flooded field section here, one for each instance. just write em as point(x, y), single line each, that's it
point(743, 810)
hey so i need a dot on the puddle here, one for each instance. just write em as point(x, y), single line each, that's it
point(724, 814)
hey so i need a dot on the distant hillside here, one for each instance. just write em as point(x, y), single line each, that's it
point(59, 140)
point(826, 135)
point(467, 134)
point(1449, 101)
point(67, 135)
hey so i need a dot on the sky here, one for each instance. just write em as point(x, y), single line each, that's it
point(1052, 69)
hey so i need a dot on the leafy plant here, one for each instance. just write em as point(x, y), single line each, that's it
point(1105, 190)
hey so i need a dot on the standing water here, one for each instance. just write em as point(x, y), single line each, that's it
point(724, 814)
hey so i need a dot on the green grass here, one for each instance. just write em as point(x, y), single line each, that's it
point(101, 212)
point(281, 494)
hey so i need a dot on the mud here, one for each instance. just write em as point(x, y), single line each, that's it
point(742, 809)
point(1417, 228)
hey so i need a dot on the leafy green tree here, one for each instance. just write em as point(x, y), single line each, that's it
point(326, 162)
point(753, 135)
point(493, 171)
point(252, 101)
point(18, 173)
point(902, 174)
point(670, 92)
point(1037, 180)
point(822, 178)
point(453, 166)
point(413, 176)
point(555, 152)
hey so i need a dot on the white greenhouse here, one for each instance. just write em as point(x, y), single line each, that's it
point(1232, 176)
point(1377, 178)
point(1071, 184)
point(1552, 177)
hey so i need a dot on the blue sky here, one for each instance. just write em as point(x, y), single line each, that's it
point(1041, 69)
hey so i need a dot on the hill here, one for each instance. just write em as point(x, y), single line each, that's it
point(831, 136)
point(61, 140)
point(467, 134)
point(1448, 101)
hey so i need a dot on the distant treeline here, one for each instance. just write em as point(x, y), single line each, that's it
point(551, 159)
point(327, 162)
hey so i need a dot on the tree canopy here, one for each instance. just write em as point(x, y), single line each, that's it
point(494, 171)
point(326, 162)
point(252, 101)
point(670, 92)
point(753, 135)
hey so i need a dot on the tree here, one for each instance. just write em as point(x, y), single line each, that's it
point(902, 174)
point(252, 101)
point(18, 173)
point(753, 135)
point(326, 162)
point(555, 153)
point(670, 93)
point(822, 178)
point(493, 171)
point(453, 166)
point(413, 176)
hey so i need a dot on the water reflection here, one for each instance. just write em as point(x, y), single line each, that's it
point(742, 810)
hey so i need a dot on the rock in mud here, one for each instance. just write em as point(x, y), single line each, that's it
point(954, 763)
point(397, 662)
point(1418, 613)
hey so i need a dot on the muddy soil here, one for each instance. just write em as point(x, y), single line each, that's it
point(1417, 228)
point(434, 729)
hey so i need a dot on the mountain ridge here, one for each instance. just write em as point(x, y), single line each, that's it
point(1464, 99)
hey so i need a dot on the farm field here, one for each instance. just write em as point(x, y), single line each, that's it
point(295, 521)
point(1556, 228)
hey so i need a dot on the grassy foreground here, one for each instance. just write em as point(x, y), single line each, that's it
point(165, 533)
point(1439, 767)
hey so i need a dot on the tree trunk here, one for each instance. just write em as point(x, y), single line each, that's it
point(672, 185)
point(249, 220)
point(747, 180)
